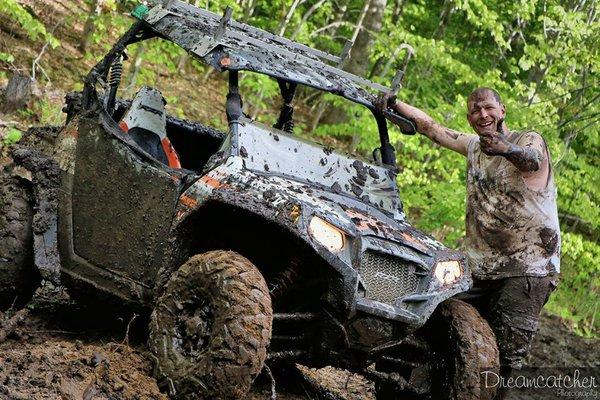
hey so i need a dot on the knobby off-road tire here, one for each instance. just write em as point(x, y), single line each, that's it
point(470, 349)
point(211, 327)
point(18, 276)
point(463, 346)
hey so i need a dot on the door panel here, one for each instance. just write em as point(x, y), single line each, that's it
point(122, 205)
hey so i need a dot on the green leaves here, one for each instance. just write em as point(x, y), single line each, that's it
point(32, 27)
point(577, 295)
point(6, 57)
point(11, 137)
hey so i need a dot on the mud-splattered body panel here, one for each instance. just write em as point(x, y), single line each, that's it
point(122, 206)
point(270, 151)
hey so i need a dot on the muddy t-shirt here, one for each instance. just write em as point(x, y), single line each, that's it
point(512, 230)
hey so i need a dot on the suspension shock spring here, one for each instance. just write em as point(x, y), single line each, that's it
point(285, 278)
point(288, 126)
point(116, 72)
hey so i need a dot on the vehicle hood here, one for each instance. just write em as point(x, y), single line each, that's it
point(271, 152)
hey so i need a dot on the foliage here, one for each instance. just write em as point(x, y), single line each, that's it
point(11, 137)
point(7, 57)
point(577, 295)
point(32, 27)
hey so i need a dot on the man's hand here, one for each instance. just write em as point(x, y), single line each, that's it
point(494, 144)
point(526, 158)
point(385, 101)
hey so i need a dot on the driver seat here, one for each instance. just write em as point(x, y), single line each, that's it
point(145, 122)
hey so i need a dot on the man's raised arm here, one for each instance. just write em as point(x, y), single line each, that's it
point(445, 137)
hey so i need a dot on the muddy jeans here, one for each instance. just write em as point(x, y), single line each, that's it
point(512, 307)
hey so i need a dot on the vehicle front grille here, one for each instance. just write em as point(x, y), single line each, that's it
point(387, 277)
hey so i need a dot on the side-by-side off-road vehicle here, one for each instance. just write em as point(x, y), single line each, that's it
point(250, 247)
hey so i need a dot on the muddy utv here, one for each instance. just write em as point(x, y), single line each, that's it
point(254, 246)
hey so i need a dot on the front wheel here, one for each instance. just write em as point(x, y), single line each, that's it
point(211, 327)
point(18, 276)
point(456, 346)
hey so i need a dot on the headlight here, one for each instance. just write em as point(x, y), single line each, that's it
point(326, 234)
point(447, 272)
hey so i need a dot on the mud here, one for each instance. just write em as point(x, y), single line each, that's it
point(239, 324)
point(15, 234)
point(451, 134)
point(524, 158)
point(549, 238)
point(46, 179)
point(62, 350)
point(482, 94)
point(498, 235)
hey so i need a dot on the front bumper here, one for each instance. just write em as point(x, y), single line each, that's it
point(396, 281)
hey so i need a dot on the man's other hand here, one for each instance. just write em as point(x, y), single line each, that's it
point(494, 144)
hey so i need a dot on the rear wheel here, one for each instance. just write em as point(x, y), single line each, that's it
point(455, 347)
point(18, 276)
point(210, 329)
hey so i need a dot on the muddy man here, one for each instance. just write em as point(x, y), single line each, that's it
point(512, 233)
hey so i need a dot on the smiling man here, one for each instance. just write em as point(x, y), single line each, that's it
point(512, 233)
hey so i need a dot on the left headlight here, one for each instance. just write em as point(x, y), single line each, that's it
point(447, 272)
point(326, 234)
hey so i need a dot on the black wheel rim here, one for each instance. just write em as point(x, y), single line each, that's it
point(193, 326)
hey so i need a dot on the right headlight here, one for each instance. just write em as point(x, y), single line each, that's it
point(447, 272)
point(326, 234)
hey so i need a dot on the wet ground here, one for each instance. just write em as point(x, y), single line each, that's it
point(62, 351)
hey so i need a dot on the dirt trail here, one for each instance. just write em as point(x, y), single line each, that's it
point(65, 352)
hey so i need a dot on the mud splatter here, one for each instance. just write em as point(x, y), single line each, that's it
point(373, 173)
point(269, 194)
point(451, 134)
point(356, 190)
point(549, 238)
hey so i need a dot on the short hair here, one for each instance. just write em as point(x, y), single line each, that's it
point(481, 90)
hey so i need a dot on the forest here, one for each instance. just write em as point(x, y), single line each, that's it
point(542, 56)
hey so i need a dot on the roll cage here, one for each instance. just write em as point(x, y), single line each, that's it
point(229, 45)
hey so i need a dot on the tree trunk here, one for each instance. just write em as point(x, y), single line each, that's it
point(367, 27)
point(134, 70)
point(447, 11)
point(248, 10)
point(90, 24)
point(185, 56)
point(398, 10)
point(305, 17)
point(283, 25)
point(16, 94)
point(378, 65)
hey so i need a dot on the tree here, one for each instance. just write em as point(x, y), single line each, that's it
point(367, 27)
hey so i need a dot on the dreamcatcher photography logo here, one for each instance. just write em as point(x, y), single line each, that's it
point(547, 383)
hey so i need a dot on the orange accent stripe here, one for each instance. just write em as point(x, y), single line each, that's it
point(188, 201)
point(171, 153)
point(212, 182)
